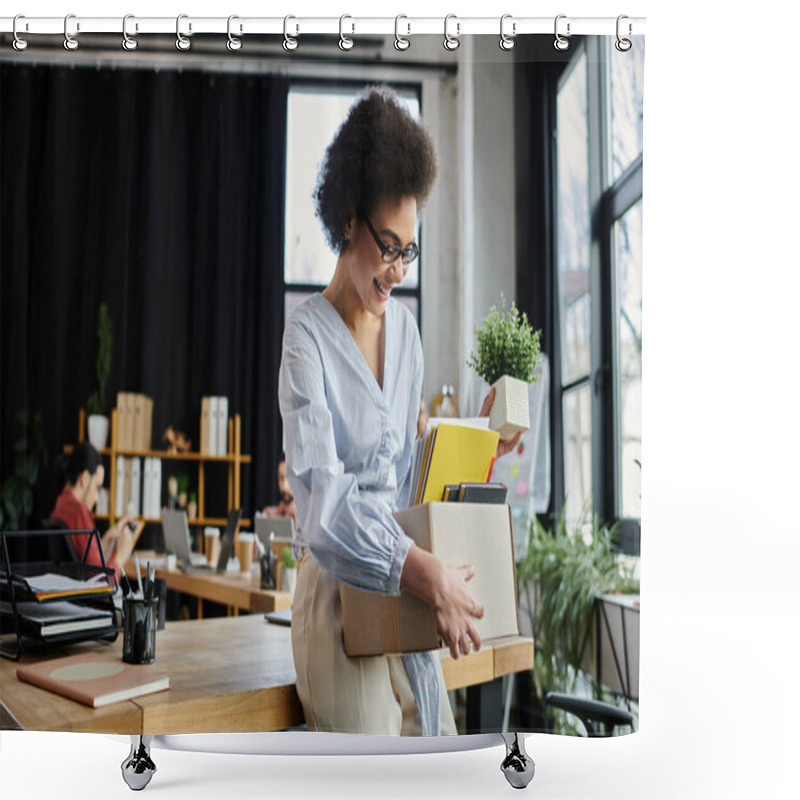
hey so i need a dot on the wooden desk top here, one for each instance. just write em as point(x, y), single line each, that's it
point(235, 589)
point(226, 674)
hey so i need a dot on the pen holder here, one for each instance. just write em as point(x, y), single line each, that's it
point(139, 630)
point(267, 579)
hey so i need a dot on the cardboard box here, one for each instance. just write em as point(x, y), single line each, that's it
point(458, 533)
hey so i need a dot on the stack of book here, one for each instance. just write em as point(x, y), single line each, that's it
point(451, 452)
point(134, 422)
point(214, 426)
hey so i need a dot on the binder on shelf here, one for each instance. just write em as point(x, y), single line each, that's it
point(138, 422)
point(147, 486)
point(156, 488)
point(147, 432)
point(122, 412)
point(222, 427)
point(126, 484)
point(205, 422)
point(134, 503)
point(142, 422)
point(119, 500)
point(213, 425)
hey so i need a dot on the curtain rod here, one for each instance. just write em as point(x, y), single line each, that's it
point(450, 28)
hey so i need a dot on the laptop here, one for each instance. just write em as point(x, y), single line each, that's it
point(176, 537)
point(282, 528)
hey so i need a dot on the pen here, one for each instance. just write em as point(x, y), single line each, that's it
point(139, 575)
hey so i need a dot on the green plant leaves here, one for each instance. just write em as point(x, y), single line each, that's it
point(506, 345)
point(565, 573)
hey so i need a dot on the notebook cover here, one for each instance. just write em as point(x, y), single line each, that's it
point(94, 680)
point(460, 454)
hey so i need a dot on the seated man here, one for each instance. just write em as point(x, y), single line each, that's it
point(84, 474)
point(285, 507)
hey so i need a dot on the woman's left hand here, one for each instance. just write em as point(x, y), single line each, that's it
point(508, 445)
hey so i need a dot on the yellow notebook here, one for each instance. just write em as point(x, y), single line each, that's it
point(459, 454)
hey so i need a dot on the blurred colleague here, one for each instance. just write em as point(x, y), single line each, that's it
point(84, 475)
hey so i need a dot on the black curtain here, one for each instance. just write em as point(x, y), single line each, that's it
point(162, 194)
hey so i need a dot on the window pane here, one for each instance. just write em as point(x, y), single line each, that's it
point(573, 225)
point(577, 424)
point(313, 118)
point(628, 262)
point(627, 86)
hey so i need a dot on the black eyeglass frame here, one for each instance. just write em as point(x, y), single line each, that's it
point(391, 252)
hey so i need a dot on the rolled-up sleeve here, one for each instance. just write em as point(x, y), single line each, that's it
point(351, 533)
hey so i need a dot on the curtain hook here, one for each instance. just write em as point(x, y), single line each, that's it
point(400, 42)
point(19, 43)
point(70, 42)
point(561, 42)
point(128, 42)
point(182, 43)
point(345, 42)
point(507, 42)
point(289, 42)
point(623, 45)
point(233, 43)
point(451, 42)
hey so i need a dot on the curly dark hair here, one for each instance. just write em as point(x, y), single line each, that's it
point(379, 151)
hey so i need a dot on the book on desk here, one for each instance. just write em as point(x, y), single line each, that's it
point(94, 679)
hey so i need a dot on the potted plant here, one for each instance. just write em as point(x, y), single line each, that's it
point(96, 405)
point(506, 357)
point(16, 493)
point(191, 508)
point(183, 489)
point(560, 578)
point(288, 571)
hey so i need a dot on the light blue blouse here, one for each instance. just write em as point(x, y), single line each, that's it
point(349, 446)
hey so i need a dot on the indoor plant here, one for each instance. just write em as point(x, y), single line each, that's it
point(288, 571)
point(506, 357)
point(96, 405)
point(560, 578)
point(16, 493)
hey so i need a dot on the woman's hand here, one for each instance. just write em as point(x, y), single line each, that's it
point(508, 445)
point(445, 589)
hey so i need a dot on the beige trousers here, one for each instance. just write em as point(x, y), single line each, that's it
point(341, 694)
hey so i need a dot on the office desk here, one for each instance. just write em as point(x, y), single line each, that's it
point(226, 675)
point(233, 589)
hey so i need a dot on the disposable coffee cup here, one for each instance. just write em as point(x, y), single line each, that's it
point(244, 550)
point(139, 631)
point(211, 540)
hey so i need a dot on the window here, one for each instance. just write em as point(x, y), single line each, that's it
point(313, 116)
point(598, 286)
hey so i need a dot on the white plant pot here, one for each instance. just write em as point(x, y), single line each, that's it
point(98, 431)
point(509, 412)
point(288, 579)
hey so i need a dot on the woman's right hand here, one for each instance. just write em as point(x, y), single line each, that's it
point(445, 589)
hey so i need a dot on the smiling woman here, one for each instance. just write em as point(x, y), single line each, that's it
point(350, 388)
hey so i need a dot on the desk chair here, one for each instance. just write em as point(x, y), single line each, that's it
point(591, 713)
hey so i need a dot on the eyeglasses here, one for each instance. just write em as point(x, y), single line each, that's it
point(391, 252)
